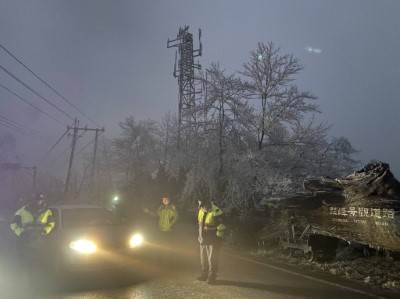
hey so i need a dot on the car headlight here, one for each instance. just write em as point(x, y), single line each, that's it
point(83, 246)
point(136, 240)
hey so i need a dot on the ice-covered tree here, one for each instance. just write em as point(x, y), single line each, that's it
point(270, 79)
point(136, 149)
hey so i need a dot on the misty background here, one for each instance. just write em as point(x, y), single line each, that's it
point(110, 59)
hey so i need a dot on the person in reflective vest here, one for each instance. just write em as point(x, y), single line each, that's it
point(29, 223)
point(211, 231)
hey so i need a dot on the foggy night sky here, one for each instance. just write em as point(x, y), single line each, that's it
point(110, 59)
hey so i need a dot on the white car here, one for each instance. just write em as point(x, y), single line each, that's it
point(89, 237)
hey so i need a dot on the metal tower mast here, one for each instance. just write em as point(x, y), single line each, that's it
point(184, 70)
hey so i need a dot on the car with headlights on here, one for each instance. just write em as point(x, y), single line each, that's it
point(89, 237)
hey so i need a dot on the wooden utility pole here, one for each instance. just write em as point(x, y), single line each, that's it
point(71, 157)
point(76, 129)
point(94, 156)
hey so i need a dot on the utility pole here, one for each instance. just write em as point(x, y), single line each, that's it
point(94, 156)
point(76, 129)
point(71, 157)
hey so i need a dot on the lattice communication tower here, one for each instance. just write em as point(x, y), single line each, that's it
point(184, 70)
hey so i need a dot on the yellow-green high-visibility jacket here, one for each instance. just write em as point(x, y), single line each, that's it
point(167, 217)
point(24, 220)
point(212, 221)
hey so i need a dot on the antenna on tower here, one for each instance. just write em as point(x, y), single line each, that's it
point(184, 70)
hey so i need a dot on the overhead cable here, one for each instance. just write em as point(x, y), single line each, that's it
point(68, 147)
point(38, 109)
point(60, 155)
point(61, 96)
point(49, 151)
point(9, 126)
point(22, 127)
point(35, 92)
point(82, 149)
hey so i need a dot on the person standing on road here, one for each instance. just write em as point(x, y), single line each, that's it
point(30, 223)
point(211, 231)
point(167, 217)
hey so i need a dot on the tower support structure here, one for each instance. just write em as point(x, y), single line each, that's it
point(184, 70)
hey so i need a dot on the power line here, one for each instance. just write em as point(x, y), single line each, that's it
point(22, 127)
point(82, 149)
point(12, 127)
point(60, 155)
point(38, 109)
point(49, 151)
point(68, 147)
point(35, 92)
point(76, 129)
point(61, 96)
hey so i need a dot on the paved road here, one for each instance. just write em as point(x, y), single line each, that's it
point(240, 277)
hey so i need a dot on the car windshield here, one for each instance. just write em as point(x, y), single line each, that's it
point(83, 217)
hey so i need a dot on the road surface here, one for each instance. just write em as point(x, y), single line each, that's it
point(239, 277)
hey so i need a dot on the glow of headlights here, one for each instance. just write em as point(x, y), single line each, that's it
point(136, 240)
point(83, 246)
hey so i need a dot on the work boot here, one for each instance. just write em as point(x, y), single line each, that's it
point(202, 278)
point(211, 280)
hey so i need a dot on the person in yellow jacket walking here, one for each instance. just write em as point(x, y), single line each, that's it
point(211, 231)
point(30, 223)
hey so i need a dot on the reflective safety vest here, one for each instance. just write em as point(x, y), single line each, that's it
point(209, 222)
point(29, 222)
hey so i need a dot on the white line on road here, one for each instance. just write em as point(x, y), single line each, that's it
point(305, 276)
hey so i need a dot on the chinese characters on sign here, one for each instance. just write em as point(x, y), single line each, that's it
point(361, 214)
